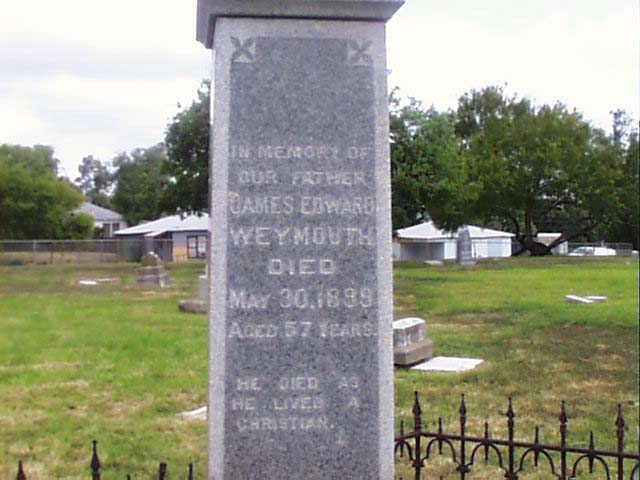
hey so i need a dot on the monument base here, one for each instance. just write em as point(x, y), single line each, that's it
point(414, 353)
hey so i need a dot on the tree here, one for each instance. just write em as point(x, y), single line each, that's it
point(140, 184)
point(33, 202)
point(535, 168)
point(187, 160)
point(624, 224)
point(94, 181)
point(428, 178)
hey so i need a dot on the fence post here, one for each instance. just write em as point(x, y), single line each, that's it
point(511, 426)
point(462, 468)
point(34, 247)
point(95, 462)
point(620, 435)
point(417, 430)
point(21, 475)
point(563, 442)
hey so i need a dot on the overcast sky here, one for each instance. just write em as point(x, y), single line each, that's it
point(101, 77)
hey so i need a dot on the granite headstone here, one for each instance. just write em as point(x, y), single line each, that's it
point(464, 248)
point(300, 375)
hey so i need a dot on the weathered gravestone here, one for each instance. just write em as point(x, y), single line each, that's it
point(410, 342)
point(301, 380)
point(152, 274)
point(464, 244)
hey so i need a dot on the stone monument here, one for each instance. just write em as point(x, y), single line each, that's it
point(152, 273)
point(464, 245)
point(300, 362)
point(410, 342)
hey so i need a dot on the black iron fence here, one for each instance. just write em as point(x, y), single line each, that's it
point(419, 446)
point(95, 468)
point(510, 456)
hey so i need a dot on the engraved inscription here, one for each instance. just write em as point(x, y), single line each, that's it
point(301, 300)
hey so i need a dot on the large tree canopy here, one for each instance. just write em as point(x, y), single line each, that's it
point(187, 162)
point(140, 184)
point(94, 181)
point(535, 168)
point(428, 177)
point(34, 203)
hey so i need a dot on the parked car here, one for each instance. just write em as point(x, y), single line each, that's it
point(593, 252)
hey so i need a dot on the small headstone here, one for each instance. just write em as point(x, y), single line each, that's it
point(87, 283)
point(410, 343)
point(464, 244)
point(634, 256)
point(152, 273)
point(449, 364)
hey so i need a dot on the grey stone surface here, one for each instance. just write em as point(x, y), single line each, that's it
point(152, 273)
point(449, 364)
point(151, 259)
point(210, 10)
point(203, 289)
point(193, 306)
point(464, 245)
point(413, 353)
point(300, 340)
point(408, 330)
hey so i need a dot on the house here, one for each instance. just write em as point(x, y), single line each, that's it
point(177, 238)
point(427, 242)
point(547, 238)
point(103, 218)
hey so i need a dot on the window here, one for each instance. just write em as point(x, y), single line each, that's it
point(197, 246)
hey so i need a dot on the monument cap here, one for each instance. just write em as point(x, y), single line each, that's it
point(364, 10)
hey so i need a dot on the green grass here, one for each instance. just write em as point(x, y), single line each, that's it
point(117, 364)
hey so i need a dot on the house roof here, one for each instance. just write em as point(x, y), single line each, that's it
point(174, 223)
point(427, 231)
point(99, 214)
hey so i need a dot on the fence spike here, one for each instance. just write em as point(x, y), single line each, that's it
point(162, 472)
point(417, 411)
point(486, 437)
point(620, 435)
point(463, 406)
point(620, 421)
point(563, 439)
point(592, 447)
point(402, 435)
point(190, 477)
point(95, 462)
point(21, 475)
point(440, 431)
point(536, 441)
point(563, 413)
point(417, 414)
point(510, 413)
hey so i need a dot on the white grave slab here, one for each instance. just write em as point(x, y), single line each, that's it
point(597, 298)
point(578, 300)
point(449, 364)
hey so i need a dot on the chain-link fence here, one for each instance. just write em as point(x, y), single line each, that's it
point(23, 252)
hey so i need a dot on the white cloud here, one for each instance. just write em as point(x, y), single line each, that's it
point(97, 78)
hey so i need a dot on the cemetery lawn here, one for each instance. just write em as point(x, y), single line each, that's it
point(116, 363)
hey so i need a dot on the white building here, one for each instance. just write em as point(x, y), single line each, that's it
point(108, 220)
point(427, 242)
point(175, 238)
